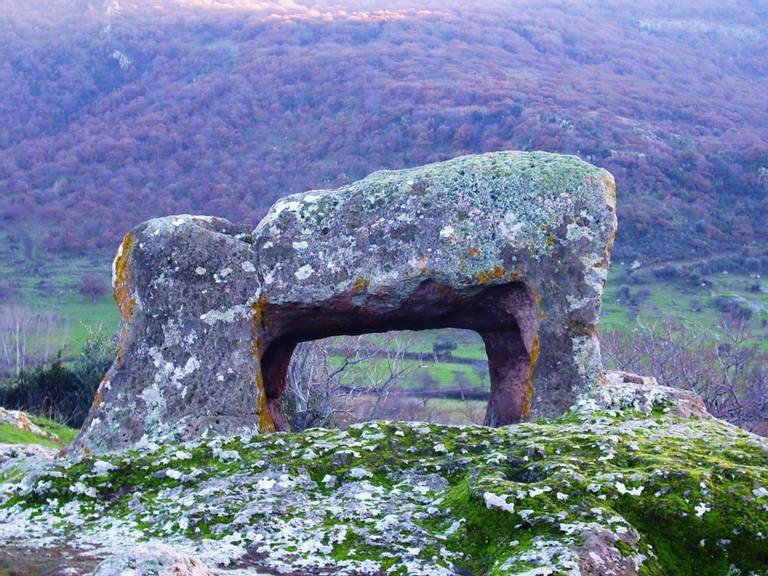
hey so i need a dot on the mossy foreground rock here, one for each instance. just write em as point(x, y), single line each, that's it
point(513, 245)
point(622, 484)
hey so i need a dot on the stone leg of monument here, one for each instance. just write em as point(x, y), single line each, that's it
point(185, 363)
point(515, 246)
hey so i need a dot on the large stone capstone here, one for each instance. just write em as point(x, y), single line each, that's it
point(513, 245)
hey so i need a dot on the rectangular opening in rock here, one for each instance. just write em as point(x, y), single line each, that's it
point(429, 375)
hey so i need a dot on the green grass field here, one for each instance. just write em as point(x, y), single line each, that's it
point(12, 435)
point(49, 285)
point(694, 306)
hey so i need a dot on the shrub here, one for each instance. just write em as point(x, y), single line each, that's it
point(667, 273)
point(60, 392)
point(53, 392)
point(727, 305)
point(98, 353)
point(92, 286)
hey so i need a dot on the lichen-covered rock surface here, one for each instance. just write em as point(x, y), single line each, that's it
point(22, 421)
point(622, 484)
point(513, 245)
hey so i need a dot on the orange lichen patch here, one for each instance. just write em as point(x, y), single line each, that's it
point(260, 323)
point(487, 277)
point(97, 399)
point(528, 395)
point(122, 290)
point(266, 423)
point(536, 299)
point(360, 285)
point(498, 273)
point(423, 261)
point(609, 248)
point(474, 251)
point(609, 187)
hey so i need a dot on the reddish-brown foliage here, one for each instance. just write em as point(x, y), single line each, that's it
point(111, 117)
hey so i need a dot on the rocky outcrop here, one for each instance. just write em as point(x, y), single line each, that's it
point(623, 484)
point(512, 245)
point(153, 559)
point(18, 459)
point(22, 421)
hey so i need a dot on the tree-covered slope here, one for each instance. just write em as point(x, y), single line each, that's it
point(114, 112)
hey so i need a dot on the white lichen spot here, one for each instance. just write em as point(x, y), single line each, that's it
point(173, 474)
point(226, 455)
point(304, 272)
point(586, 355)
point(538, 491)
point(200, 271)
point(329, 480)
point(266, 484)
point(621, 488)
point(277, 209)
point(701, 508)
point(303, 245)
point(221, 275)
point(81, 488)
point(511, 228)
point(359, 473)
point(500, 502)
point(447, 233)
point(102, 468)
point(228, 316)
point(248, 267)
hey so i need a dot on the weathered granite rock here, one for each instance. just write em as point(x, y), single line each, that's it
point(620, 390)
point(152, 559)
point(613, 487)
point(513, 245)
point(22, 421)
point(19, 458)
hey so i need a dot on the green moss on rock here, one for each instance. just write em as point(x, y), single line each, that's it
point(642, 488)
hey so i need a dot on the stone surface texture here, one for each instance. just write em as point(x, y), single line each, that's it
point(22, 421)
point(623, 484)
point(513, 245)
point(152, 559)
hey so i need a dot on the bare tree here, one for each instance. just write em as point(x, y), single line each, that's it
point(727, 368)
point(344, 383)
point(27, 338)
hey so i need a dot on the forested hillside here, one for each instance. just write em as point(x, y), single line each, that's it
point(114, 112)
